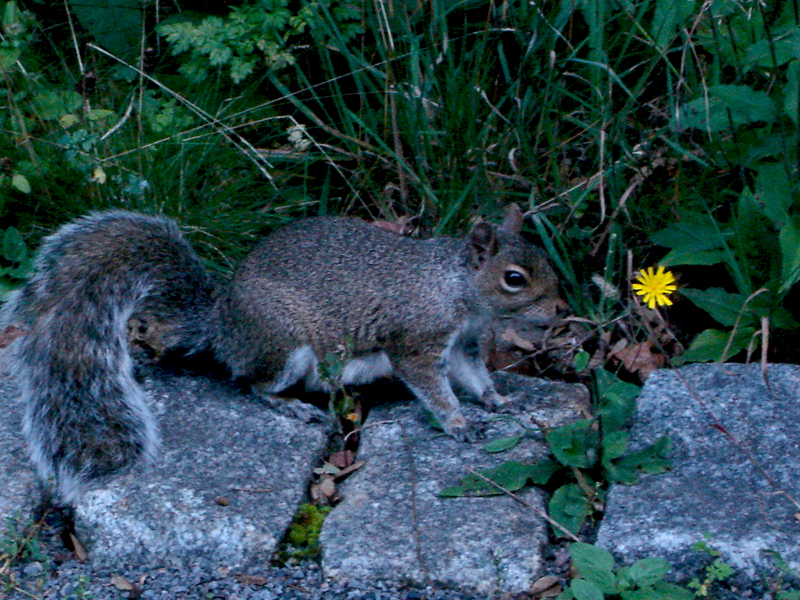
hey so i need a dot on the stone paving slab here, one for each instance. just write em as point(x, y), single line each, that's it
point(714, 487)
point(392, 524)
point(227, 482)
point(18, 484)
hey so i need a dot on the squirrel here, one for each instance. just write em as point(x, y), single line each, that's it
point(414, 308)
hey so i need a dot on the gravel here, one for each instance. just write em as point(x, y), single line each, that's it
point(72, 580)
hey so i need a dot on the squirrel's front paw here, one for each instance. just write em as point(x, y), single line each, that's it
point(464, 431)
point(498, 403)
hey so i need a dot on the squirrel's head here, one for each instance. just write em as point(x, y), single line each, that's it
point(513, 275)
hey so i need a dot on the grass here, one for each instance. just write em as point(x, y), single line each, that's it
point(609, 122)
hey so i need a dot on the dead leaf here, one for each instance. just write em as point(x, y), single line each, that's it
point(341, 459)
point(548, 586)
point(618, 346)
point(327, 487)
point(346, 471)
point(223, 571)
point(511, 336)
point(246, 579)
point(403, 226)
point(324, 492)
point(119, 582)
point(80, 552)
point(639, 359)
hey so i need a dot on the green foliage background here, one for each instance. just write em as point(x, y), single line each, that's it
point(633, 131)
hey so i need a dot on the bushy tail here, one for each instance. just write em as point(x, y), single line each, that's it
point(85, 414)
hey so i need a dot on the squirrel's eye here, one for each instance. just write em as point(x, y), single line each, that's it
point(514, 280)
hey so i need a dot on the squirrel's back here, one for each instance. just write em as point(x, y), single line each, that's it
point(85, 414)
point(385, 303)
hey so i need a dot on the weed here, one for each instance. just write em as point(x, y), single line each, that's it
point(589, 453)
point(598, 577)
point(302, 539)
point(80, 590)
point(715, 572)
point(786, 585)
point(19, 545)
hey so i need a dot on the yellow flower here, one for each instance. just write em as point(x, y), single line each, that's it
point(655, 287)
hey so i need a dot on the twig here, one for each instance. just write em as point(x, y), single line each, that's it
point(535, 509)
point(223, 129)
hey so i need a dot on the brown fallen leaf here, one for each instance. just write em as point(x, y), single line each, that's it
point(341, 459)
point(548, 586)
point(324, 492)
point(119, 582)
point(327, 487)
point(403, 226)
point(511, 336)
point(246, 579)
point(80, 552)
point(346, 471)
point(639, 358)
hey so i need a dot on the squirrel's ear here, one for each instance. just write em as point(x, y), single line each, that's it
point(483, 243)
point(512, 219)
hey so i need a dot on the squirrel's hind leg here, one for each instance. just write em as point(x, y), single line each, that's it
point(301, 365)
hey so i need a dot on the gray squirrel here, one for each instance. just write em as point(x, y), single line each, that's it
point(414, 308)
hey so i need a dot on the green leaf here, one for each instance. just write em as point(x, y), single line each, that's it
point(569, 507)
point(575, 445)
point(669, 16)
point(67, 121)
point(115, 24)
point(614, 445)
point(581, 360)
point(585, 590)
point(14, 248)
point(9, 56)
point(670, 591)
point(594, 564)
point(12, 19)
point(783, 45)
point(54, 104)
point(709, 345)
point(724, 307)
point(648, 571)
point(789, 238)
point(511, 475)
point(502, 444)
point(651, 460)
point(617, 400)
point(686, 256)
point(692, 233)
point(726, 106)
point(97, 114)
point(21, 183)
point(774, 191)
